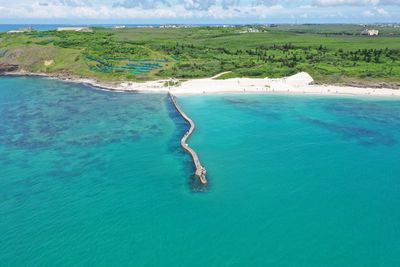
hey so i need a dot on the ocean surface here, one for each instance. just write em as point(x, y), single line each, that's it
point(94, 178)
point(50, 27)
point(38, 27)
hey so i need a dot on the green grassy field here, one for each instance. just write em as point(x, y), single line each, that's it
point(338, 29)
point(331, 54)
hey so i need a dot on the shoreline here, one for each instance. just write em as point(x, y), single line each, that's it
point(298, 84)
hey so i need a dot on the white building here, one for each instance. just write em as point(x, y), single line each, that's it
point(169, 26)
point(251, 30)
point(74, 29)
point(370, 32)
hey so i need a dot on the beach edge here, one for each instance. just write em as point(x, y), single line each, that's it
point(299, 84)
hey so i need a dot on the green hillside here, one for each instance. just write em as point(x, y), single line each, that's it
point(152, 53)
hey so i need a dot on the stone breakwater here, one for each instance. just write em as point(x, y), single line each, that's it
point(200, 170)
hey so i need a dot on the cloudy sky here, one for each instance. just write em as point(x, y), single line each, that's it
point(198, 11)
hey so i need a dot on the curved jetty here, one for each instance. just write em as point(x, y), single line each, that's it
point(200, 170)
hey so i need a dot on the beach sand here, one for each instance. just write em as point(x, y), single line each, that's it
point(301, 83)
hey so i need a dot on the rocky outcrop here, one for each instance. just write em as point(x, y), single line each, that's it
point(8, 67)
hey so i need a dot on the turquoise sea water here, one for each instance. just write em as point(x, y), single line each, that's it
point(92, 178)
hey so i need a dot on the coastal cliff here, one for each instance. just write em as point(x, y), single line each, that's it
point(7, 68)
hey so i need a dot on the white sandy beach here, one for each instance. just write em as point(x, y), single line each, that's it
point(301, 83)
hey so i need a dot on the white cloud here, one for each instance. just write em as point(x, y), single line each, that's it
point(382, 12)
point(199, 4)
point(226, 4)
point(368, 13)
point(266, 2)
point(376, 12)
point(56, 11)
point(262, 10)
point(72, 3)
point(355, 2)
point(146, 4)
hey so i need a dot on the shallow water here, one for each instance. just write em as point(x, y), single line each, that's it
point(98, 178)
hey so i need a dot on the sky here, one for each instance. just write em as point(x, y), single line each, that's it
point(198, 11)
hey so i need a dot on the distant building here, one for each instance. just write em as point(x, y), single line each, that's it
point(74, 29)
point(367, 32)
point(251, 30)
point(28, 29)
point(120, 27)
point(169, 26)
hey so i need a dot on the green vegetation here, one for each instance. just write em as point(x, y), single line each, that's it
point(338, 29)
point(330, 53)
